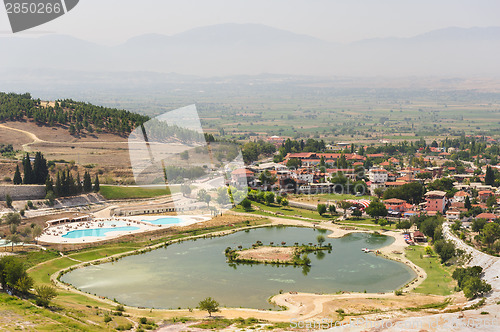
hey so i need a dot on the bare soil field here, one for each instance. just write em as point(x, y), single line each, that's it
point(102, 152)
point(268, 254)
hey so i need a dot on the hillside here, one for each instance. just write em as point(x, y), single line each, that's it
point(78, 117)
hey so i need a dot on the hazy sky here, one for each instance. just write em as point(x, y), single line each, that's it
point(113, 21)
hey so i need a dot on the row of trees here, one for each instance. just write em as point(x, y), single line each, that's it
point(66, 185)
point(33, 174)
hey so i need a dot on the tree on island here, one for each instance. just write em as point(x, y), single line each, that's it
point(320, 239)
point(209, 305)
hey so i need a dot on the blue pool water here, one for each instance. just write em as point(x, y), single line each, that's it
point(165, 221)
point(96, 232)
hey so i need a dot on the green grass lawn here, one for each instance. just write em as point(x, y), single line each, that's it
point(367, 223)
point(121, 192)
point(439, 280)
point(286, 211)
point(102, 252)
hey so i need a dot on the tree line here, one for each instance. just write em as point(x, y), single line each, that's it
point(77, 116)
point(65, 184)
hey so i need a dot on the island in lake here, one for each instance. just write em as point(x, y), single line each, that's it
point(291, 255)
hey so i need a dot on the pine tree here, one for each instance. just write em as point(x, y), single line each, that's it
point(17, 176)
point(87, 182)
point(97, 187)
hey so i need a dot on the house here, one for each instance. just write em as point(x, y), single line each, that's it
point(418, 236)
point(453, 214)
point(483, 195)
point(490, 217)
point(395, 204)
point(460, 196)
point(378, 175)
point(276, 141)
point(435, 201)
point(242, 177)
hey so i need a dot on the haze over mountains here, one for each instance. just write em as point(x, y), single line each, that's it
point(235, 49)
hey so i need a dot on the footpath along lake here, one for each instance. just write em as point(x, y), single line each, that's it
point(181, 275)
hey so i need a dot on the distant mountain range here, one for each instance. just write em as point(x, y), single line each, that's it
point(234, 49)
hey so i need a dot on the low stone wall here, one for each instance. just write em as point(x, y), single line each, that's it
point(22, 192)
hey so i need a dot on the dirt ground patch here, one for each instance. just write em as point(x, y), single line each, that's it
point(268, 254)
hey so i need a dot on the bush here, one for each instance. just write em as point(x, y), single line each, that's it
point(143, 320)
point(107, 319)
point(124, 327)
point(8, 200)
point(44, 295)
point(356, 213)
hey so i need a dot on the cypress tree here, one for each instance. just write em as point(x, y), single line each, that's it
point(59, 186)
point(87, 182)
point(467, 203)
point(28, 171)
point(71, 184)
point(49, 185)
point(37, 164)
point(79, 188)
point(489, 177)
point(97, 187)
point(17, 176)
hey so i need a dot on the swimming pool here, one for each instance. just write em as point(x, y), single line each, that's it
point(165, 221)
point(96, 232)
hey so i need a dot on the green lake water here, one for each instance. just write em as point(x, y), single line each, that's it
point(181, 275)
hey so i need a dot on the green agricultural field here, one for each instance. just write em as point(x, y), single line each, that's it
point(122, 192)
point(439, 280)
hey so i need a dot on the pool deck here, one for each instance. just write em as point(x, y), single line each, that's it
point(54, 234)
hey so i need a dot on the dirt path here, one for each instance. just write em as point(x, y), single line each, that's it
point(27, 133)
point(37, 140)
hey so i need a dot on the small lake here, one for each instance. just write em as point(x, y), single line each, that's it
point(182, 274)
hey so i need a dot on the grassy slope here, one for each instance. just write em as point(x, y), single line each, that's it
point(119, 192)
point(438, 279)
point(287, 211)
